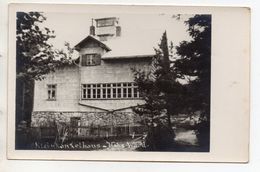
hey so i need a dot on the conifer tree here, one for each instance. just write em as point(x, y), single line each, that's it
point(160, 91)
point(164, 94)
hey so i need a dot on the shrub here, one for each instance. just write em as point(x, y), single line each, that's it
point(160, 138)
point(203, 134)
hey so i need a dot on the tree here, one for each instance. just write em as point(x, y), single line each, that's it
point(178, 86)
point(35, 57)
point(193, 62)
point(161, 93)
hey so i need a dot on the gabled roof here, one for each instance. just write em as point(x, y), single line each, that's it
point(91, 38)
point(129, 47)
point(121, 49)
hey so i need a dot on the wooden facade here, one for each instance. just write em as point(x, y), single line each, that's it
point(98, 91)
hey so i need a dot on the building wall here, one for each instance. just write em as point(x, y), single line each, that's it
point(68, 83)
point(113, 70)
point(110, 71)
point(106, 30)
point(67, 91)
point(68, 101)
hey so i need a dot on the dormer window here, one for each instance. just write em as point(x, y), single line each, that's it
point(90, 60)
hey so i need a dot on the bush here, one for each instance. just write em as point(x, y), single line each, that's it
point(25, 136)
point(160, 138)
point(203, 135)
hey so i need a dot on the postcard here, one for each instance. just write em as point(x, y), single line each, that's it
point(128, 83)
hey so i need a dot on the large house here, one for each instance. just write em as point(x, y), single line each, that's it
point(99, 90)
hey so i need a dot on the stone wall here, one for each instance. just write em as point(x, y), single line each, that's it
point(48, 119)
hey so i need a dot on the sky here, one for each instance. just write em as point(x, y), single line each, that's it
point(144, 30)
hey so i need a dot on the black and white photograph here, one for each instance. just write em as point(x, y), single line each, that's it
point(113, 82)
point(128, 83)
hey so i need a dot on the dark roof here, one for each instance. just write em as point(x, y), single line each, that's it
point(128, 57)
point(91, 38)
point(105, 18)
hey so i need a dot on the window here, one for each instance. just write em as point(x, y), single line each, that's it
point(104, 89)
point(124, 92)
point(110, 91)
point(75, 121)
point(98, 91)
point(51, 92)
point(91, 59)
point(105, 22)
point(94, 93)
point(119, 91)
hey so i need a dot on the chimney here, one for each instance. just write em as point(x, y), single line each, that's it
point(118, 31)
point(92, 29)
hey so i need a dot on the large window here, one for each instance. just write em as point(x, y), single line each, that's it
point(51, 92)
point(110, 91)
point(90, 59)
point(105, 22)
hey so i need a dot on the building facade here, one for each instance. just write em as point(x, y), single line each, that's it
point(99, 90)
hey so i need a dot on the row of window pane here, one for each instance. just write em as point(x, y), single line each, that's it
point(110, 91)
point(106, 22)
